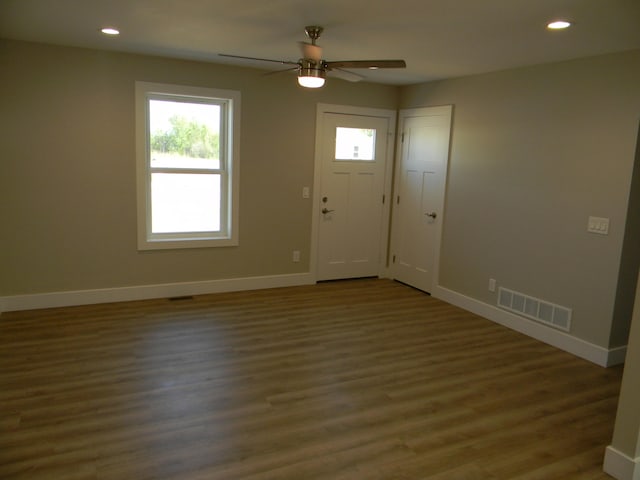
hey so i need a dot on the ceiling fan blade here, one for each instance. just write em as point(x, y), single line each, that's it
point(310, 51)
point(372, 64)
point(283, 62)
point(275, 72)
point(345, 75)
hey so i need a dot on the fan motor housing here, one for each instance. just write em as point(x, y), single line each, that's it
point(309, 68)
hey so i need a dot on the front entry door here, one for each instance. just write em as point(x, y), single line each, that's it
point(419, 195)
point(353, 156)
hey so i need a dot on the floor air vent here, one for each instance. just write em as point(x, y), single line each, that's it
point(535, 309)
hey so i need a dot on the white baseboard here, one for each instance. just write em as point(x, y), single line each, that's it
point(619, 466)
point(617, 355)
point(144, 292)
point(564, 341)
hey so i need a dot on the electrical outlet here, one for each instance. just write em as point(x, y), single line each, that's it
point(306, 192)
point(296, 256)
point(492, 284)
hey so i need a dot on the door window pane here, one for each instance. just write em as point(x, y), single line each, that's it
point(355, 144)
point(185, 202)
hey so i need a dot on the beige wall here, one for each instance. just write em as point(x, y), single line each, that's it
point(626, 436)
point(535, 151)
point(67, 169)
point(630, 259)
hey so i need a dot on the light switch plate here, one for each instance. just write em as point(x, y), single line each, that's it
point(598, 225)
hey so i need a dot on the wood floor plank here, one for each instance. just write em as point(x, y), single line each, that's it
point(341, 380)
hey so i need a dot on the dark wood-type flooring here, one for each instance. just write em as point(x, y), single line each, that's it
point(365, 379)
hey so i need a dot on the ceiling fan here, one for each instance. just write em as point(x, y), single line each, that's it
point(312, 69)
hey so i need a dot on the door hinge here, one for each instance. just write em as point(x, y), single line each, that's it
point(383, 198)
point(398, 200)
point(402, 137)
point(393, 259)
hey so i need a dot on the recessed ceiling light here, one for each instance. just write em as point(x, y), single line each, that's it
point(558, 25)
point(110, 31)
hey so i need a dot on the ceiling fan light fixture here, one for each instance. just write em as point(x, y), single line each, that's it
point(310, 82)
point(310, 75)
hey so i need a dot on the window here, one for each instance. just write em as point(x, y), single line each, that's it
point(355, 144)
point(187, 166)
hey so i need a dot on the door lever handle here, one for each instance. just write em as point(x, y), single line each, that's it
point(432, 214)
point(325, 210)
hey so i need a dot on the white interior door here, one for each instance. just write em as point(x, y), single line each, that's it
point(419, 195)
point(353, 154)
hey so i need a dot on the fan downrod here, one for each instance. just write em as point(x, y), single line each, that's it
point(313, 32)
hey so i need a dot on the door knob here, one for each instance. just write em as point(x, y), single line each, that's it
point(432, 214)
point(325, 210)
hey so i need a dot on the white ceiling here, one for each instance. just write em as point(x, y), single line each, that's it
point(437, 38)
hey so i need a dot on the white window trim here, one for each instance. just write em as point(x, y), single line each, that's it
point(230, 163)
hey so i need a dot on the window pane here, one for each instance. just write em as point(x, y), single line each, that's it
point(184, 135)
point(185, 202)
point(355, 143)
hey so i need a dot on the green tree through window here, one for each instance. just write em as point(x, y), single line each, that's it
point(187, 138)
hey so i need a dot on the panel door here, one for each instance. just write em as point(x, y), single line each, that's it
point(353, 156)
point(419, 196)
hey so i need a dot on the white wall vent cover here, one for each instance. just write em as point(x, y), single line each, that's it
point(535, 309)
